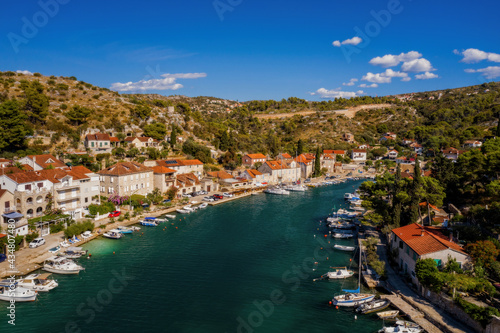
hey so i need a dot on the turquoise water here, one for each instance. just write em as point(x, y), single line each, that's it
point(243, 266)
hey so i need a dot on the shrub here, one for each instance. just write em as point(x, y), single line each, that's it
point(478, 313)
point(31, 237)
point(78, 228)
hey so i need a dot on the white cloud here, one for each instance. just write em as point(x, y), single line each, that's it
point(167, 83)
point(426, 76)
point(351, 41)
point(350, 83)
point(385, 77)
point(471, 56)
point(336, 93)
point(490, 72)
point(390, 60)
point(364, 85)
point(25, 72)
point(417, 65)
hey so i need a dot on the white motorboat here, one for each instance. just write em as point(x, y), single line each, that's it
point(295, 188)
point(342, 236)
point(61, 265)
point(203, 205)
point(170, 216)
point(13, 292)
point(348, 196)
point(73, 252)
point(339, 273)
point(149, 223)
point(86, 234)
point(344, 248)
point(189, 208)
point(402, 327)
point(353, 297)
point(373, 306)
point(182, 211)
point(124, 230)
point(276, 190)
point(38, 282)
point(113, 234)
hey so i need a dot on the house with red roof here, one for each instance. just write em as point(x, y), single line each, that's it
point(183, 166)
point(126, 178)
point(98, 143)
point(142, 142)
point(413, 242)
point(255, 177)
point(392, 154)
point(306, 164)
point(452, 153)
point(359, 155)
point(40, 162)
point(251, 159)
point(163, 178)
point(280, 172)
point(472, 144)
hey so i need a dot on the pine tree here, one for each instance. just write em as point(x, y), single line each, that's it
point(224, 141)
point(317, 163)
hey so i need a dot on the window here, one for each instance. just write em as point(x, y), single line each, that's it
point(7, 205)
point(92, 144)
point(414, 256)
point(401, 244)
point(407, 250)
point(111, 179)
point(438, 262)
point(86, 200)
point(39, 185)
point(27, 187)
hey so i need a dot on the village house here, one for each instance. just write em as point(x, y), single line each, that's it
point(306, 164)
point(451, 153)
point(334, 152)
point(285, 157)
point(391, 135)
point(142, 142)
point(5, 163)
point(472, 144)
point(9, 213)
point(187, 183)
point(358, 155)
point(40, 162)
point(163, 178)
point(348, 137)
point(126, 178)
point(251, 159)
point(255, 177)
point(392, 154)
point(328, 162)
point(417, 148)
point(98, 143)
point(414, 242)
point(183, 166)
point(407, 142)
point(279, 172)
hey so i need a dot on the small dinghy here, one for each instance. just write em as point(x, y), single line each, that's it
point(391, 314)
point(373, 306)
point(344, 248)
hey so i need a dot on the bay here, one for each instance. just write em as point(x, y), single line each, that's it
point(242, 266)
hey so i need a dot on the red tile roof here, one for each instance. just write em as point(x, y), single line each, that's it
point(162, 169)
point(219, 174)
point(286, 155)
point(114, 139)
point(175, 163)
point(253, 173)
point(256, 156)
point(359, 150)
point(187, 179)
point(46, 160)
point(97, 137)
point(124, 168)
point(424, 240)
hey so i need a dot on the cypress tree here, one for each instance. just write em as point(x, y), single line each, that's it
point(317, 163)
point(173, 137)
point(396, 204)
point(498, 127)
point(300, 147)
point(415, 199)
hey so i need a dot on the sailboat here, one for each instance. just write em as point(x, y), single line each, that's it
point(353, 297)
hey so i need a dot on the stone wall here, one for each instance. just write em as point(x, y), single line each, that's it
point(446, 303)
point(494, 325)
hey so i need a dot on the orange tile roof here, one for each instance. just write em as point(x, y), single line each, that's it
point(424, 240)
point(190, 162)
point(162, 169)
point(424, 204)
point(46, 160)
point(253, 173)
point(11, 169)
point(187, 179)
point(219, 174)
point(97, 137)
point(114, 139)
point(339, 152)
point(286, 155)
point(257, 156)
point(328, 157)
point(359, 150)
point(124, 168)
point(175, 163)
point(26, 177)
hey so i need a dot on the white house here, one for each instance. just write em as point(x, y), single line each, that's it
point(280, 172)
point(358, 155)
point(472, 144)
point(40, 162)
point(392, 154)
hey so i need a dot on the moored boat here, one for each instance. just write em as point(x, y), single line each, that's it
point(73, 252)
point(148, 223)
point(276, 190)
point(61, 265)
point(112, 234)
point(402, 327)
point(391, 314)
point(344, 247)
point(13, 292)
point(38, 282)
point(339, 273)
point(124, 230)
point(342, 236)
point(203, 205)
point(373, 306)
point(182, 211)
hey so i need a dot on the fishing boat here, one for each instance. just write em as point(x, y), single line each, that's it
point(149, 223)
point(189, 208)
point(402, 327)
point(373, 306)
point(295, 188)
point(342, 236)
point(38, 282)
point(61, 265)
point(12, 292)
point(353, 297)
point(276, 190)
point(344, 247)
point(170, 216)
point(113, 234)
point(339, 273)
point(203, 205)
point(182, 211)
point(391, 314)
point(348, 196)
point(74, 252)
point(155, 219)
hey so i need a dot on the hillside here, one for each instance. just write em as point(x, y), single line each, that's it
point(55, 113)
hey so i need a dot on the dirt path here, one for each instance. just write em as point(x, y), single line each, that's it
point(349, 112)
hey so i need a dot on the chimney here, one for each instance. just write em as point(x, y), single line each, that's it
point(451, 237)
point(421, 233)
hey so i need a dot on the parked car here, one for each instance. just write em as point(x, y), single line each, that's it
point(208, 199)
point(166, 201)
point(186, 196)
point(116, 213)
point(228, 195)
point(37, 242)
point(203, 192)
point(218, 196)
point(2, 257)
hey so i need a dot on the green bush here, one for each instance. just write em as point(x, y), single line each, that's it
point(78, 228)
point(478, 313)
point(31, 237)
point(55, 228)
point(104, 208)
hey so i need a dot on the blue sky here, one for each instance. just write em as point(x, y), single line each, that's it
point(243, 50)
